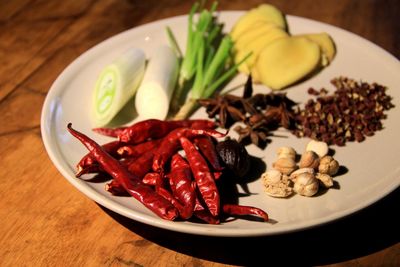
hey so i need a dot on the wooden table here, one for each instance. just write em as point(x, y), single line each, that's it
point(45, 221)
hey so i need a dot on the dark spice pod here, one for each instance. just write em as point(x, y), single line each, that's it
point(235, 157)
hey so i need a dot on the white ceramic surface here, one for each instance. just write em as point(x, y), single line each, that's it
point(373, 165)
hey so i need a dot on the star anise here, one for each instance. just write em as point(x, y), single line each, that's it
point(261, 114)
point(226, 109)
point(262, 101)
point(256, 134)
point(280, 115)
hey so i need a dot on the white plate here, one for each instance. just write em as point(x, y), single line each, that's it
point(373, 165)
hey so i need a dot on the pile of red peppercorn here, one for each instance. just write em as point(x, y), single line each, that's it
point(355, 110)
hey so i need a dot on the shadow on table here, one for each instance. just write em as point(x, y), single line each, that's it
point(360, 234)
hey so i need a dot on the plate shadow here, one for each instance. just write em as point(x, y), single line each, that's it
point(362, 233)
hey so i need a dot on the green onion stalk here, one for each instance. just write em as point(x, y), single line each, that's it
point(207, 63)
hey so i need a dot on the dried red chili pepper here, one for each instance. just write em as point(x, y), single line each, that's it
point(141, 165)
point(155, 129)
point(85, 165)
point(139, 149)
point(132, 184)
point(182, 185)
point(238, 210)
point(201, 124)
point(207, 148)
point(161, 189)
point(93, 168)
point(205, 216)
point(170, 144)
point(204, 179)
point(168, 196)
point(151, 178)
point(112, 132)
point(116, 188)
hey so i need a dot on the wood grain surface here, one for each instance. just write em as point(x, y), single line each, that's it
point(45, 221)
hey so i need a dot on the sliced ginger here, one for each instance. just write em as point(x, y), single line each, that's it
point(278, 60)
point(256, 46)
point(286, 61)
point(255, 75)
point(264, 12)
point(326, 44)
point(260, 28)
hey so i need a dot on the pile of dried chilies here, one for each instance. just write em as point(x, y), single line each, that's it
point(146, 162)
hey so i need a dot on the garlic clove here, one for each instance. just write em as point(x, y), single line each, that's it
point(276, 184)
point(319, 147)
point(309, 159)
point(286, 152)
point(285, 165)
point(306, 185)
point(328, 165)
point(293, 175)
point(325, 179)
point(271, 177)
point(279, 191)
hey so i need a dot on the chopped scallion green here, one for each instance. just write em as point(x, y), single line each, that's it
point(207, 62)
